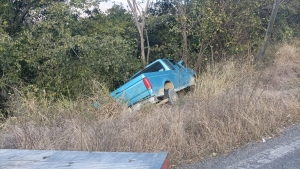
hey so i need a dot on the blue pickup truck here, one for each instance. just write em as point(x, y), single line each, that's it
point(160, 80)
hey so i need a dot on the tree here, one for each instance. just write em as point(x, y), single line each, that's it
point(269, 29)
point(162, 7)
point(8, 70)
point(17, 13)
point(164, 37)
point(218, 29)
point(55, 49)
point(287, 21)
point(182, 13)
point(139, 15)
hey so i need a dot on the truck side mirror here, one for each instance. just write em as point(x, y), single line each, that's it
point(181, 63)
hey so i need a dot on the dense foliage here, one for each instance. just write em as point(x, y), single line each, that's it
point(56, 48)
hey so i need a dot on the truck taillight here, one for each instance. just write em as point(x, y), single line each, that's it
point(147, 83)
point(166, 163)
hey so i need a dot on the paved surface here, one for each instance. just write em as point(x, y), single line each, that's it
point(277, 153)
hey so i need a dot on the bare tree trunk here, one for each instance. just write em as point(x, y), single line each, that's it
point(182, 15)
point(185, 48)
point(199, 60)
point(148, 46)
point(138, 12)
point(200, 57)
point(16, 20)
point(202, 49)
point(269, 30)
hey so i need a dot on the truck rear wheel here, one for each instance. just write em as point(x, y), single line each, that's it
point(171, 95)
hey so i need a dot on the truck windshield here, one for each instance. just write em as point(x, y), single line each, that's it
point(156, 67)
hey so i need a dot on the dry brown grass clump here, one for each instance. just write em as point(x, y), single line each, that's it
point(285, 71)
point(231, 106)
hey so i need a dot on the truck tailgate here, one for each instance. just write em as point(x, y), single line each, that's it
point(132, 91)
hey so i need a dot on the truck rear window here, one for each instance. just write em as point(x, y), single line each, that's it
point(156, 67)
point(170, 65)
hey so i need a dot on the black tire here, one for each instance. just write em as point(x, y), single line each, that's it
point(171, 95)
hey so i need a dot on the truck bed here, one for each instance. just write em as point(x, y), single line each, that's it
point(36, 159)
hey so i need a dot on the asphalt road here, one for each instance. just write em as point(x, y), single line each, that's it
point(281, 152)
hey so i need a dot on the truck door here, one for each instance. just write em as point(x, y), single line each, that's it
point(184, 75)
point(174, 73)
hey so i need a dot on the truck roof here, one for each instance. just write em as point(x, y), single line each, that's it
point(30, 159)
point(153, 67)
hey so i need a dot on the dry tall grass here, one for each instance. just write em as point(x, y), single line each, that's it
point(231, 106)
